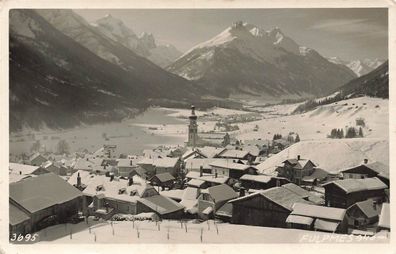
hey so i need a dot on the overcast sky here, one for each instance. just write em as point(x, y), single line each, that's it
point(346, 33)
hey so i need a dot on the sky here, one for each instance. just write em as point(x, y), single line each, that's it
point(346, 33)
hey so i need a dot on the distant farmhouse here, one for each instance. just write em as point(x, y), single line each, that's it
point(196, 139)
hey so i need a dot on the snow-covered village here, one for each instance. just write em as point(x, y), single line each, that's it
point(115, 138)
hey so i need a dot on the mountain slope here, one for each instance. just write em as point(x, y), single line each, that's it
point(143, 45)
point(244, 58)
point(56, 82)
point(374, 84)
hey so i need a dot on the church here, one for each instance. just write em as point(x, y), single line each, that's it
point(195, 139)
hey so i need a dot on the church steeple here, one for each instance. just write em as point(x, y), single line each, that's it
point(193, 128)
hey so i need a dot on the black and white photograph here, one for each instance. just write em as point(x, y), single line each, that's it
point(198, 126)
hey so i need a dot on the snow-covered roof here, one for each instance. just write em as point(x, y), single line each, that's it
point(161, 204)
point(210, 151)
point(207, 177)
point(164, 177)
point(195, 182)
point(173, 194)
point(22, 169)
point(195, 163)
point(315, 211)
point(41, 192)
point(256, 178)
point(222, 192)
point(299, 164)
point(232, 153)
point(354, 185)
point(229, 164)
point(297, 219)
point(278, 195)
point(384, 219)
point(325, 225)
point(126, 163)
point(367, 207)
point(166, 162)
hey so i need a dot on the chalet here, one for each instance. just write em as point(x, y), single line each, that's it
point(163, 180)
point(41, 201)
point(261, 182)
point(296, 169)
point(366, 170)
point(213, 198)
point(236, 154)
point(193, 154)
point(37, 159)
point(363, 214)
point(267, 208)
point(384, 218)
point(318, 218)
point(344, 193)
point(231, 169)
point(316, 177)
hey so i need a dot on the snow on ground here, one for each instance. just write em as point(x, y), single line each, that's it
point(318, 123)
point(175, 232)
point(332, 154)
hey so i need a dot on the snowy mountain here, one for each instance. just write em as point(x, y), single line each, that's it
point(56, 81)
point(144, 45)
point(359, 67)
point(246, 59)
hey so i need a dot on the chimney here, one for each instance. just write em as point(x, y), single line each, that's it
point(242, 192)
point(130, 162)
point(201, 171)
point(365, 161)
point(111, 177)
point(298, 157)
point(78, 180)
point(20, 172)
point(130, 181)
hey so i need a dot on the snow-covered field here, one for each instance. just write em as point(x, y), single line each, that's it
point(175, 232)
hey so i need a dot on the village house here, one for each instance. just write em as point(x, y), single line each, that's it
point(231, 169)
point(261, 182)
point(363, 214)
point(318, 218)
point(384, 218)
point(207, 179)
point(160, 165)
point(366, 170)
point(213, 198)
point(125, 167)
point(193, 153)
point(163, 180)
point(108, 195)
point(267, 208)
point(42, 201)
point(198, 165)
point(36, 159)
point(296, 169)
point(56, 168)
point(344, 193)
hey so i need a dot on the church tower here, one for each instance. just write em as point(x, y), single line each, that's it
point(192, 128)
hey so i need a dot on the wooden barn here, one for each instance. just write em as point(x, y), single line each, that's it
point(42, 201)
point(363, 214)
point(318, 218)
point(212, 198)
point(164, 207)
point(268, 208)
point(344, 193)
point(163, 180)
